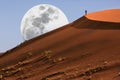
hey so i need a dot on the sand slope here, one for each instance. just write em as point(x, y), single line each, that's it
point(87, 49)
point(109, 15)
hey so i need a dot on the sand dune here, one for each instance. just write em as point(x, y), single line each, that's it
point(106, 15)
point(87, 49)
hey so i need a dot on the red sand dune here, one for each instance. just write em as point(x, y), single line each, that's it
point(87, 49)
point(106, 15)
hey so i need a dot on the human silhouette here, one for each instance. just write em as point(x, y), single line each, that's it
point(85, 12)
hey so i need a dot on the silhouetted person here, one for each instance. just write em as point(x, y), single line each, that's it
point(85, 12)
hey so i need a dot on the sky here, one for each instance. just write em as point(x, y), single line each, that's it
point(12, 12)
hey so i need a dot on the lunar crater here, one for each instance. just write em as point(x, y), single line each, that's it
point(51, 10)
point(45, 18)
point(42, 7)
point(32, 32)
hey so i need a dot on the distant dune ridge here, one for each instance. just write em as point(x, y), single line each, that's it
point(86, 49)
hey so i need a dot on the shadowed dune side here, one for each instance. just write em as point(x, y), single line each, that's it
point(83, 50)
point(0, 53)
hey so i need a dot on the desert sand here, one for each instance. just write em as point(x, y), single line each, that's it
point(86, 49)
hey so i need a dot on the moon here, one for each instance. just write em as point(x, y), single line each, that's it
point(41, 19)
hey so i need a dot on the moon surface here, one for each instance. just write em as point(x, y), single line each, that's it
point(41, 19)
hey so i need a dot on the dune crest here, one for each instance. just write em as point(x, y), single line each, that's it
point(106, 15)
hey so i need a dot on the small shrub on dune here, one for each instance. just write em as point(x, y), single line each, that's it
point(30, 54)
point(1, 77)
point(47, 52)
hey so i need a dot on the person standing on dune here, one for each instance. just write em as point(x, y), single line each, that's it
point(85, 12)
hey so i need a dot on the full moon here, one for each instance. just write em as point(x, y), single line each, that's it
point(41, 19)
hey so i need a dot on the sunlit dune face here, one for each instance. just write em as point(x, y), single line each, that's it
point(107, 15)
